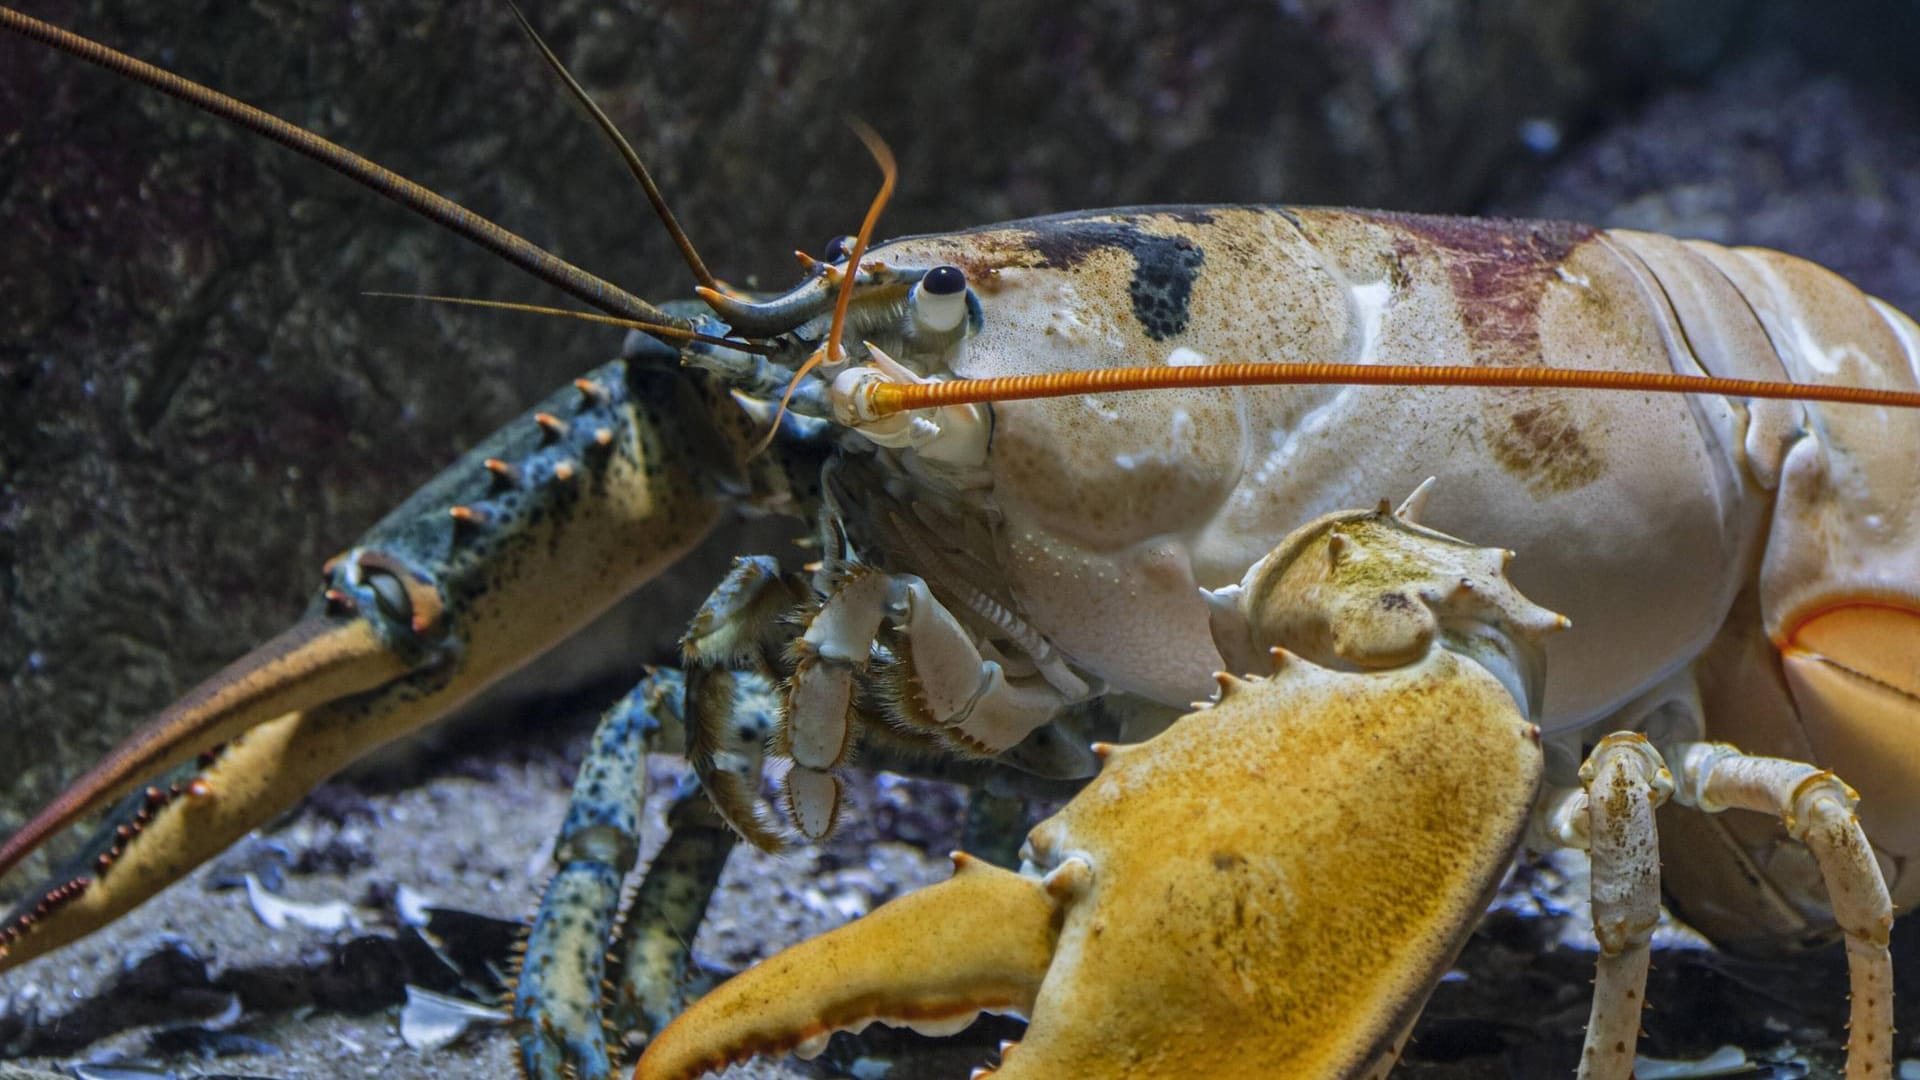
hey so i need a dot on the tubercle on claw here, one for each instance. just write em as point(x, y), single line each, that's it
point(148, 803)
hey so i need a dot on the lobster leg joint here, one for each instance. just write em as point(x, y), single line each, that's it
point(1818, 809)
point(1625, 782)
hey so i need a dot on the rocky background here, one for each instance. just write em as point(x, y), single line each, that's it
point(197, 406)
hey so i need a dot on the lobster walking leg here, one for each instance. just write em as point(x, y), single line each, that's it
point(656, 981)
point(558, 995)
point(1624, 781)
point(1818, 810)
point(537, 531)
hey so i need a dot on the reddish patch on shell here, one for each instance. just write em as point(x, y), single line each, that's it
point(1499, 270)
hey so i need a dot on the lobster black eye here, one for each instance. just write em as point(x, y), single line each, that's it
point(939, 300)
point(837, 248)
point(945, 280)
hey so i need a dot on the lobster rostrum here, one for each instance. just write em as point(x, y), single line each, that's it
point(1736, 567)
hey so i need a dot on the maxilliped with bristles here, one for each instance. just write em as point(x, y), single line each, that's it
point(1052, 477)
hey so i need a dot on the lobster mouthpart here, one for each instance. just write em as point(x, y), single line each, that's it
point(1232, 898)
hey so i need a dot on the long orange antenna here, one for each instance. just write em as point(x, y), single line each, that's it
point(833, 351)
point(889, 173)
point(889, 398)
point(675, 332)
point(437, 208)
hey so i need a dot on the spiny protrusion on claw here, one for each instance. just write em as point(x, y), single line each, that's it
point(1229, 684)
point(551, 425)
point(152, 800)
point(1337, 545)
point(1068, 881)
point(1414, 506)
point(49, 902)
point(505, 474)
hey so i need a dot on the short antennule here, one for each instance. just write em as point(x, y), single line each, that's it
point(834, 351)
point(811, 299)
point(435, 207)
point(671, 333)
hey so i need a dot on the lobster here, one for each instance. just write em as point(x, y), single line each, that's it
point(989, 571)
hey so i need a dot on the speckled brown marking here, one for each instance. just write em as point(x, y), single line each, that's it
point(1499, 270)
point(1542, 445)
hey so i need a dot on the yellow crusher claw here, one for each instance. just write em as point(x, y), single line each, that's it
point(998, 569)
point(1234, 898)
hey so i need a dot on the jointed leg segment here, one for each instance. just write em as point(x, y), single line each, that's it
point(1817, 810)
point(559, 995)
point(1623, 782)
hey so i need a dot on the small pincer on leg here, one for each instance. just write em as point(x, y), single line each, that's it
point(556, 998)
point(656, 977)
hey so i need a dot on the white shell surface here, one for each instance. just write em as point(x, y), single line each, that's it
point(1635, 514)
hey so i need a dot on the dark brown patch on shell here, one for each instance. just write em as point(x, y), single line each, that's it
point(1499, 270)
point(1542, 445)
point(1164, 267)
